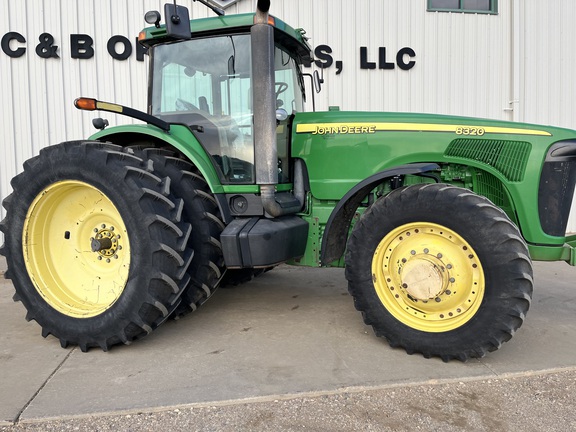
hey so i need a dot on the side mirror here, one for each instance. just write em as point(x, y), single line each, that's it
point(318, 80)
point(177, 21)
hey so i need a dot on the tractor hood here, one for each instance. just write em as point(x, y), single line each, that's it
point(378, 141)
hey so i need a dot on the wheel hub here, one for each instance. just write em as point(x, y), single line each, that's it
point(76, 248)
point(106, 243)
point(428, 277)
point(422, 278)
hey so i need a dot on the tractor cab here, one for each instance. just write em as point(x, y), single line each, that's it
point(206, 82)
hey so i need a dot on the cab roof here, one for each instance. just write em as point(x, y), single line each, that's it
point(293, 39)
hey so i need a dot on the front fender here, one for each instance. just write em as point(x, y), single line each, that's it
point(336, 231)
point(179, 137)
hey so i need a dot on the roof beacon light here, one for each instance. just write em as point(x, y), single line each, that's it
point(153, 17)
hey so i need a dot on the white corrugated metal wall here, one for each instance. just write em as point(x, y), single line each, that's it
point(515, 65)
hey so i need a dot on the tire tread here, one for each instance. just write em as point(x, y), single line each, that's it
point(510, 259)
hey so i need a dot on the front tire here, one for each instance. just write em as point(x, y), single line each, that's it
point(95, 245)
point(439, 270)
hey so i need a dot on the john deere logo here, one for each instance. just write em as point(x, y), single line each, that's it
point(223, 3)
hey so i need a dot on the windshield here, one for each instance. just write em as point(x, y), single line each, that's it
point(207, 85)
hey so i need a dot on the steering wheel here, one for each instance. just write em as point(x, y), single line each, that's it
point(281, 87)
point(183, 105)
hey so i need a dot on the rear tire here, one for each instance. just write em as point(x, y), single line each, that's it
point(439, 270)
point(95, 245)
point(207, 271)
point(202, 212)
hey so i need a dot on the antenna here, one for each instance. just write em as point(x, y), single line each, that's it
point(217, 11)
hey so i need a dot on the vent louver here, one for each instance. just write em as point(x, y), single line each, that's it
point(508, 157)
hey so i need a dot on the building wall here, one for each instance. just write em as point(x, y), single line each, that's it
point(516, 65)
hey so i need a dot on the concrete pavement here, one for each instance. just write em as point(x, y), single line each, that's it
point(293, 331)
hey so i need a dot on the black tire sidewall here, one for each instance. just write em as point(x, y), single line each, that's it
point(94, 167)
point(202, 212)
point(455, 209)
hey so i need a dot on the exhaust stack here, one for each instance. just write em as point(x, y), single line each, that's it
point(262, 9)
point(264, 103)
point(264, 99)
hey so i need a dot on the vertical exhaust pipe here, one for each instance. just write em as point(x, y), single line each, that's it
point(263, 97)
point(262, 9)
point(264, 103)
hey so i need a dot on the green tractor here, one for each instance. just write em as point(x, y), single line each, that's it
point(436, 219)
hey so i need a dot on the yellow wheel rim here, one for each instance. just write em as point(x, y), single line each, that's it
point(76, 249)
point(428, 277)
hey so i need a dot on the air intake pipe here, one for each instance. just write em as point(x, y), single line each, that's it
point(264, 103)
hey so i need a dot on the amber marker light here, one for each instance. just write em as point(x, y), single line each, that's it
point(85, 104)
point(271, 20)
point(141, 36)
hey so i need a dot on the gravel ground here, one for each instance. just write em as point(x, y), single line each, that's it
point(543, 402)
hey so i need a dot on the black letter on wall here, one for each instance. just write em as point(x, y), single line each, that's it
point(10, 36)
point(400, 58)
point(140, 51)
point(325, 60)
point(383, 64)
point(364, 63)
point(112, 47)
point(81, 46)
point(45, 49)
